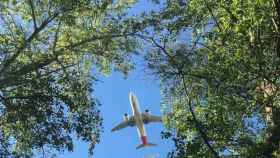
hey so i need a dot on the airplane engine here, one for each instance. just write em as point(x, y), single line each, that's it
point(125, 117)
point(147, 111)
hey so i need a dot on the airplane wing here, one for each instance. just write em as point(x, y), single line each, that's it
point(125, 123)
point(147, 118)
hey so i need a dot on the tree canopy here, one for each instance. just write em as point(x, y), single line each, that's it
point(47, 52)
point(218, 62)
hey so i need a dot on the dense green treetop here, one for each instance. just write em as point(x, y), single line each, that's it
point(50, 54)
point(218, 62)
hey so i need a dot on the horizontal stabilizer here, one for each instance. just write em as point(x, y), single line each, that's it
point(145, 145)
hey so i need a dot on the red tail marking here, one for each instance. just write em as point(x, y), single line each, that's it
point(144, 140)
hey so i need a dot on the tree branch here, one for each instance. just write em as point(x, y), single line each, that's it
point(33, 14)
point(212, 14)
point(197, 124)
point(94, 38)
point(28, 97)
point(26, 43)
point(9, 80)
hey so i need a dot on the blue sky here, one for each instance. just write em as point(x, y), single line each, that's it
point(112, 92)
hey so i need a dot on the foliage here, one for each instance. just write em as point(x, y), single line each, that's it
point(47, 51)
point(218, 62)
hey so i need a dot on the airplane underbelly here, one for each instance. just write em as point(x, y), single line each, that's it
point(142, 134)
point(141, 131)
point(140, 127)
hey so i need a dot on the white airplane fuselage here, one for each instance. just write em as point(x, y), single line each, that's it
point(138, 118)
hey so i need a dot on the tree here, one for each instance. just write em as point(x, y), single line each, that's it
point(220, 83)
point(47, 51)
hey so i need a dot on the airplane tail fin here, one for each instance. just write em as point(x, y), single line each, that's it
point(145, 145)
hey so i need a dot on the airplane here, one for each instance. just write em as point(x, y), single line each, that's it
point(138, 119)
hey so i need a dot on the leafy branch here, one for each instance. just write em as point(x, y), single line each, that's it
point(181, 75)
